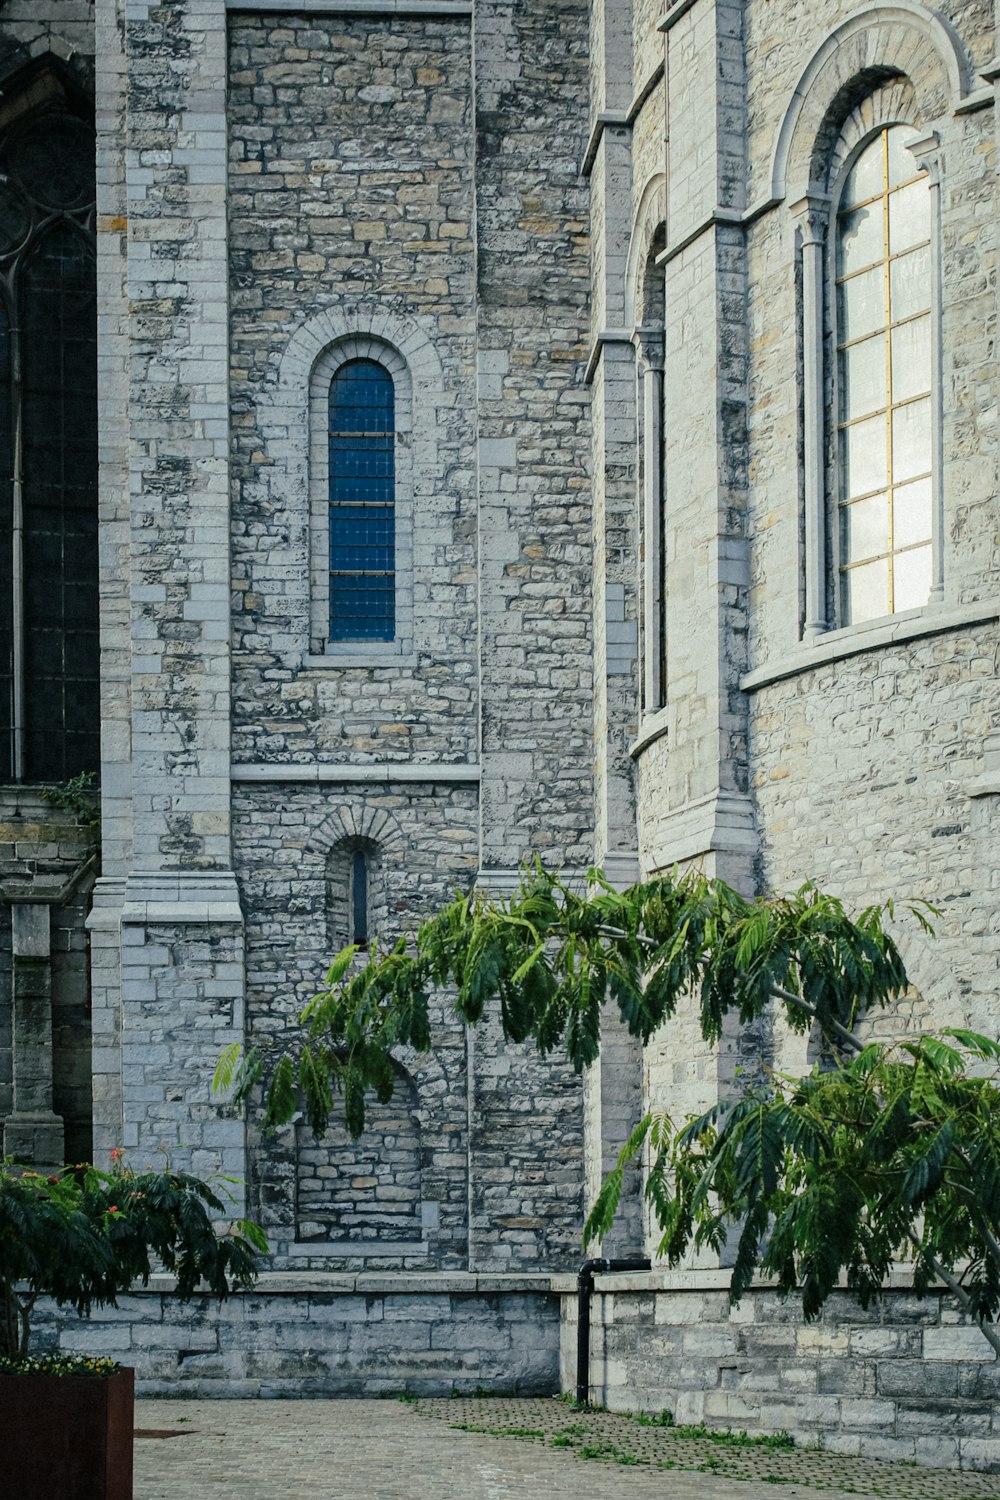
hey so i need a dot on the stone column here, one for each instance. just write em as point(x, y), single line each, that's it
point(650, 344)
point(693, 782)
point(813, 214)
point(535, 566)
point(33, 1132)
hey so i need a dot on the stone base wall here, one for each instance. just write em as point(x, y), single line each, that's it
point(328, 1335)
point(906, 1379)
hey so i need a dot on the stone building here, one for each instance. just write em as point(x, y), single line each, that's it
point(443, 431)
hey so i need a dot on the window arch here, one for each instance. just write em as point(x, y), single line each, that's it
point(49, 641)
point(883, 315)
point(871, 390)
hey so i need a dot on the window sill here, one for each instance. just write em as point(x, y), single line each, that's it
point(836, 645)
point(358, 654)
point(652, 727)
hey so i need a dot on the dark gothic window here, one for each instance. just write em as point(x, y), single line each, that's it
point(49, 710)
point(362, 503)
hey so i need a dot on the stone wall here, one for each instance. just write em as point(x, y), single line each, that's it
point(906, 1379)
point(868, 747)
point(350, 195)
point(533, 451)
point(298, 1336)
point(48, 862)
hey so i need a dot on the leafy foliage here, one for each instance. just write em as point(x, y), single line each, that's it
point(832, 1176)
point(80, 797)
point(83, 1236)
point(835, 1176)
point(552, 957)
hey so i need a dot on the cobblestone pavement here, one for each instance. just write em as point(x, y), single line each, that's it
point(492, 1449)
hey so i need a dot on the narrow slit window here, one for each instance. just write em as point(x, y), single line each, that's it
point(884, 373)
point(362, 435)
point(359, 899)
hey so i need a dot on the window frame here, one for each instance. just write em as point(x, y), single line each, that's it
point(327, 366)
point(836, 412)
point(369, 436)
point(814, 219)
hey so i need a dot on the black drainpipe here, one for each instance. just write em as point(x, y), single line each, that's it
point(584, 1288)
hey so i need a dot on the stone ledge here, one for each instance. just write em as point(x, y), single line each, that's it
point(836, 645)
point(378, 1283)
point(384, 772)
point(707, 1280)
point(430, 9)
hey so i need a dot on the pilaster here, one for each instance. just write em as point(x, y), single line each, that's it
point(694, 796)
point(168, 919)
point(694, 800)
point(32, 1131)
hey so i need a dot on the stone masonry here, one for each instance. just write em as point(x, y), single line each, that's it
point(592, 246)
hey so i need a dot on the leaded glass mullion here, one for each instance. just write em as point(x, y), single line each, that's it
point(362, 451)
point(883, 420)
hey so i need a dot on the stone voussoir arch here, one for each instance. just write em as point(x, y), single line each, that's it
point(345, 322)
point(355, 821)
point(650, 215)
point(885, 40)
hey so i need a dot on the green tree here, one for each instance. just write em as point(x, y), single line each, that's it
point(876, 1153)
point(83, 1237)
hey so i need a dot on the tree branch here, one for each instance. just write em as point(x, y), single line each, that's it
point(790, 998)
point(988, 1330)
point(992, 1243)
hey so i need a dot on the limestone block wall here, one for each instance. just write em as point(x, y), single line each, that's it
point(533, 433)
point(485, 1125)
point(329, 1335)
point(864, 759)
point(526, 1201)
point(915, 824)
point(870, 748)
point(350, 193)
point(906, 1379)
point(427, 836)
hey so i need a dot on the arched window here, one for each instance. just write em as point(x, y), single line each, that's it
point(49, 707)
point(355, 897)
point(884, 380)
point(362, 476)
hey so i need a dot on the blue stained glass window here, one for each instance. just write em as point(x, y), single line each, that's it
point(362, 503)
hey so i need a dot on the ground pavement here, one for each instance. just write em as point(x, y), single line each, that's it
point(487, 1449)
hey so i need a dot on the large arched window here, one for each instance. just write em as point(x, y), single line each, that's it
point(49, 708)
point(362, 475)
point(884, 380)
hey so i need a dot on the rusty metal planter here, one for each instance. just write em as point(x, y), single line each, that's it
point(67, 1437)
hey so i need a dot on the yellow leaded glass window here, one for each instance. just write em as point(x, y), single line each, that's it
point(884, 367)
